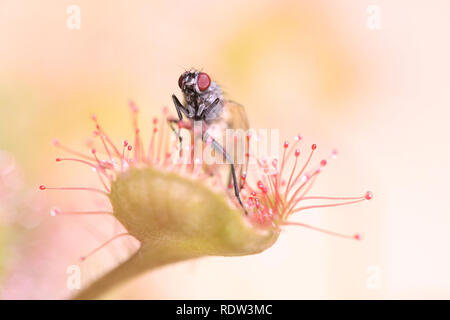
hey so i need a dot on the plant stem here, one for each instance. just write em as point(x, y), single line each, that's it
point(148, 257)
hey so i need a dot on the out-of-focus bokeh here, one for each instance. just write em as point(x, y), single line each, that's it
point(370, 78)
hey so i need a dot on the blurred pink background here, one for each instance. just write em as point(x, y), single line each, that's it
point(380, 96)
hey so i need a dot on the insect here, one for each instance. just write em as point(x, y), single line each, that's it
point(204, 102)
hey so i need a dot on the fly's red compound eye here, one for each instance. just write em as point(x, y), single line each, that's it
point(203, 81)
point(180, 81)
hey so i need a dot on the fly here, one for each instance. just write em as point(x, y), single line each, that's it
point(204, 101)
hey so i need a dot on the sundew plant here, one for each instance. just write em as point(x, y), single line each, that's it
point(177, 210)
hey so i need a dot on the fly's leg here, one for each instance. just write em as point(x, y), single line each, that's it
point(213, 110)
point(220, 149)
point(176, 130)
point(241, 169)
point(180, 110)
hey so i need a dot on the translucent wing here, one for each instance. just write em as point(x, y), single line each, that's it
point(233, 141)
point(235, 118)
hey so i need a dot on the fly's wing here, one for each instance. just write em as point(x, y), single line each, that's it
point(235, 118)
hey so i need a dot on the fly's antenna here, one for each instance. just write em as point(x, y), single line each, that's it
point(181, 67)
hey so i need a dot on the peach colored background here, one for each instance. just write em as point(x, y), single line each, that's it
point(380, 96)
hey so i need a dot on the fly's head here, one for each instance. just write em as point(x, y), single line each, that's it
point(200, 94)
